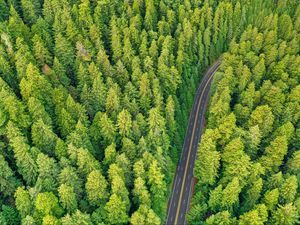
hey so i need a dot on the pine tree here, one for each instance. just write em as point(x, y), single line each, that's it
point(96, 188)
point(23, 202)
point(67, 198)
point(8, 181)
point(116, 210)
point(41, 53)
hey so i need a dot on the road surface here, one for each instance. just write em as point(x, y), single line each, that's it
point(182, 185)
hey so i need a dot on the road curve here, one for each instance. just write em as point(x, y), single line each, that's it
point(182, 185)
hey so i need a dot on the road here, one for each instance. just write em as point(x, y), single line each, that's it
point(182, 185)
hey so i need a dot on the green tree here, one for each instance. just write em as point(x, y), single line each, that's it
point(64, 52)
point(157, 188)
point(274, 153)
point(116, 210)
point(23, 202)
point(47, 204)
point(31, 10)
point(263, 117)
point(77, 218)
point(221, 218)
point(41, 53)
point(285, 215)
point(140, 192)
point(150, 19)
point(8, 181)
point(144, 215)
point(207, 168)
point(25, 162)
point(124, 123)
point(271, 198)
point(43, 137)
point(96, 188)
point(67, 198)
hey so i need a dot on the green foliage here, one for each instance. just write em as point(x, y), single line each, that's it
point(95, 96)
point(247, 162)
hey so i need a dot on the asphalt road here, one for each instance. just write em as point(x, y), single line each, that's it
point(182, 185)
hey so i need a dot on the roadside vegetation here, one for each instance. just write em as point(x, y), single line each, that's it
point(248, 165)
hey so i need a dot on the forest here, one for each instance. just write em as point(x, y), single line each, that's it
point(248, 165)
point(95, 98)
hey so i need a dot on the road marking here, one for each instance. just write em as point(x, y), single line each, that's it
point(189, 150)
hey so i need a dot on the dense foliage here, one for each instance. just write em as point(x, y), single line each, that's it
point(248, 164)
point(95, 96)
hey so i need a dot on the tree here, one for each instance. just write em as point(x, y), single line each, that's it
point(43, 137)
point(77, 218)
point(275, 153)
point(96, 188)
point(285, 215)
point(235, 162)
point(259, 71)
point(252, 195)
point(85, 17)
point(145, 92)
point(116, 210)
point(140, 192)
point(206, 169)
point(35, 85)
point(293, 163)
point(221, 218)
point(103, 128)
point(112, 101)
point(67, 198)
point(41, 53)
point(9, 215)
point(86, 162)
point(157, 128)
point(124, 123)
point(150, 19)
point(253, 141)
point(116, 43)
point(50, 220)
point(144, 215)
point(263, 117)
point(4, 10)
point(69, 176)
point(47, 204)
point(8, 181)
point(252, 217)
point(231, 194)
point(38, 112)
point(26, 164)
point(30, 10)
point(64, 52)
point(23, 202)
point(157, 188)
point(28, 220)
point(285, 26)
point(271, 198)
point(288, 190)
point(48, 171)
point(220, 107)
